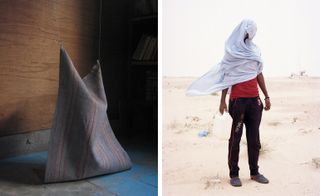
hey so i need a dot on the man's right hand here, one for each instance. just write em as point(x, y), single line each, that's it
point(223, 107)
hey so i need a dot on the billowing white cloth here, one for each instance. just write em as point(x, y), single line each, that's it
point(241, 62)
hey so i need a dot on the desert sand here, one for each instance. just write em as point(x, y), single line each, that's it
point(289, 134)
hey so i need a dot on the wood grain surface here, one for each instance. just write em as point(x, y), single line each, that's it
point(31, 32)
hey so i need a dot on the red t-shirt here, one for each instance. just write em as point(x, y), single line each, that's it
point(245, 89)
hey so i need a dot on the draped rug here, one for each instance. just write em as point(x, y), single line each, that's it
point(82, 143)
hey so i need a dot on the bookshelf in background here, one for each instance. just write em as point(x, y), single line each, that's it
point(143, 67)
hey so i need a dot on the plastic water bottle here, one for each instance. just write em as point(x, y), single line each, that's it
point(222, 124)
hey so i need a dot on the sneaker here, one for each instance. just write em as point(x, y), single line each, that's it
point(260, 178)
point(235, 181)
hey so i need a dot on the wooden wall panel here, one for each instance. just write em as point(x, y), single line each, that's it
point(30, 35)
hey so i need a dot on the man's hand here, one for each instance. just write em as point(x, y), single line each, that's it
point(267, 104)
point(262, 85)
point(223, 107)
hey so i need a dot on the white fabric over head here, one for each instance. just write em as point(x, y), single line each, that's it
point(241, 62)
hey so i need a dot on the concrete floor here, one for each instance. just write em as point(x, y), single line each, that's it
point(23, 175)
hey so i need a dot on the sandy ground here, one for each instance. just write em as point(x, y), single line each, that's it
point(289, 133)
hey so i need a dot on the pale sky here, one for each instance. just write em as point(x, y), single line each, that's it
point(194, 32)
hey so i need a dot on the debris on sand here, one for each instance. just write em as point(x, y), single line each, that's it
point(213, 182)
point(300, 74)
point(203, 133)
point(316, 162)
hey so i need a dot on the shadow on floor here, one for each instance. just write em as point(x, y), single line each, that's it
point(22, 173)
point(25, 174)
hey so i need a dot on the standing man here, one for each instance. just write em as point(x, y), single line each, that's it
point(245, 107)
point(240, 72)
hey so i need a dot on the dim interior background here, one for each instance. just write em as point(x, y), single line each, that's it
point(30, 37)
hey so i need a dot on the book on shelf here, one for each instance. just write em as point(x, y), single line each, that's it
point(146, 55)
point(151, 85)
point(146, 49)
point(139, 48)
point(154, 55)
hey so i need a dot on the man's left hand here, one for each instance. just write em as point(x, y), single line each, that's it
point(267, 104)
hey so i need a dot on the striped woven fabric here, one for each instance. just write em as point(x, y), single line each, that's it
point(82, 143)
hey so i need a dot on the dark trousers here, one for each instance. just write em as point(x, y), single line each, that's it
point(247, 111)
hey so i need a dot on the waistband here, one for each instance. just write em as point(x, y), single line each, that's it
point(243, 98)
